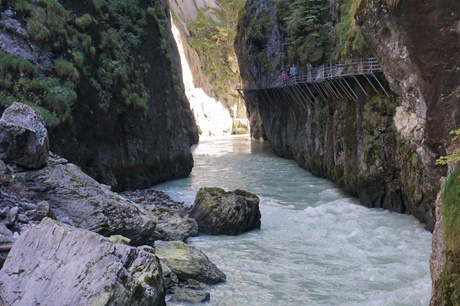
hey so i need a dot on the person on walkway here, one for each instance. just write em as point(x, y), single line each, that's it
point(293, 73)
point(284, 77)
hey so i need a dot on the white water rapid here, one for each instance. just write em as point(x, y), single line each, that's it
point(211, 117)
point(317, 245)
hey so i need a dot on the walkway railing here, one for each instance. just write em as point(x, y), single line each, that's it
point(321, 73)
point(322, 78)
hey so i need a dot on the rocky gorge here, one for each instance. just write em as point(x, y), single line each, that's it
point(382, 149)
point(127, 134)
point(55, 220)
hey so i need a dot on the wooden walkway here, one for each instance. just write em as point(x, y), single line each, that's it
point(326, 81)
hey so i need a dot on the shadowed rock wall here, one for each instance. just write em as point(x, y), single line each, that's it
point(120, 143)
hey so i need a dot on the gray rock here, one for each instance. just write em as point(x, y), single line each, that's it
point(42, 211)
point(169, 277)
point(78, 199)
point(170, 216)
point(23, 218)
point(226, 213)
point(23, 137)
point(4, 231)
point(190, 296)
point(12, 215)
point(171, 226)
point(80, 268)
point(187, 262)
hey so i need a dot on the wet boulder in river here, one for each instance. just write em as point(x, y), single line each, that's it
point(218, 212)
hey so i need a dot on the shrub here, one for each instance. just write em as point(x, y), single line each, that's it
point(65, 69)
point(450, 211)
point(84, 21)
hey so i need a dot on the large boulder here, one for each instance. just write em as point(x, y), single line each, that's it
point(187, 262)
point(56, 264)
point(23, 137)
point(218, 212)
point(79, 200)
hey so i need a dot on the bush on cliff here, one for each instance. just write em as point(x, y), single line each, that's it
point(449, 281)
point(455, 156)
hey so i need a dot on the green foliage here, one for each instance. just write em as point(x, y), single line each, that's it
point(212, 35)
point(19, 81)
point(99, 5)
point(66, 70)
point(349, 37)
point(455, 156)
point(258, 35)
point(47, 21)
point(306, 28)
point(84, 21)
point(449, 280)
point(98, 49)
point(450, 211)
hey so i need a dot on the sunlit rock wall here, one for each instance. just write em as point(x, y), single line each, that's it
point(212, 118)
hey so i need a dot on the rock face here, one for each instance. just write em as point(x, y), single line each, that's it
point(170, 217)
point(438, 256)
point(79, 200)
point(54, 263)
point(218, 212)
point(212, 118)
point(381, 149)
point(425, 75)
point(187, 262)
point(125, 142)
point(23, 137)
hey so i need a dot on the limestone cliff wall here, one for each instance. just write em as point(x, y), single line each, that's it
point(126, 143)
point(418, 46)
point(382, 149)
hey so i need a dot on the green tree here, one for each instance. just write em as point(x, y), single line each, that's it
point(455, 156)
point(306, 29)
point(212, 35)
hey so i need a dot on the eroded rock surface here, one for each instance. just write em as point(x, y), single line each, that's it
point(56, 264)
point(79, 200)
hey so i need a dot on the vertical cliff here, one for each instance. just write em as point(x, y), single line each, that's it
point(105, 76)
point(211, 117)
point(418, 45)
point(381, 148)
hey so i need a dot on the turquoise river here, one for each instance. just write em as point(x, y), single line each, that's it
point(317, 245)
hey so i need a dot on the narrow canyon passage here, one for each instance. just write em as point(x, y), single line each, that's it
point(317, 246)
